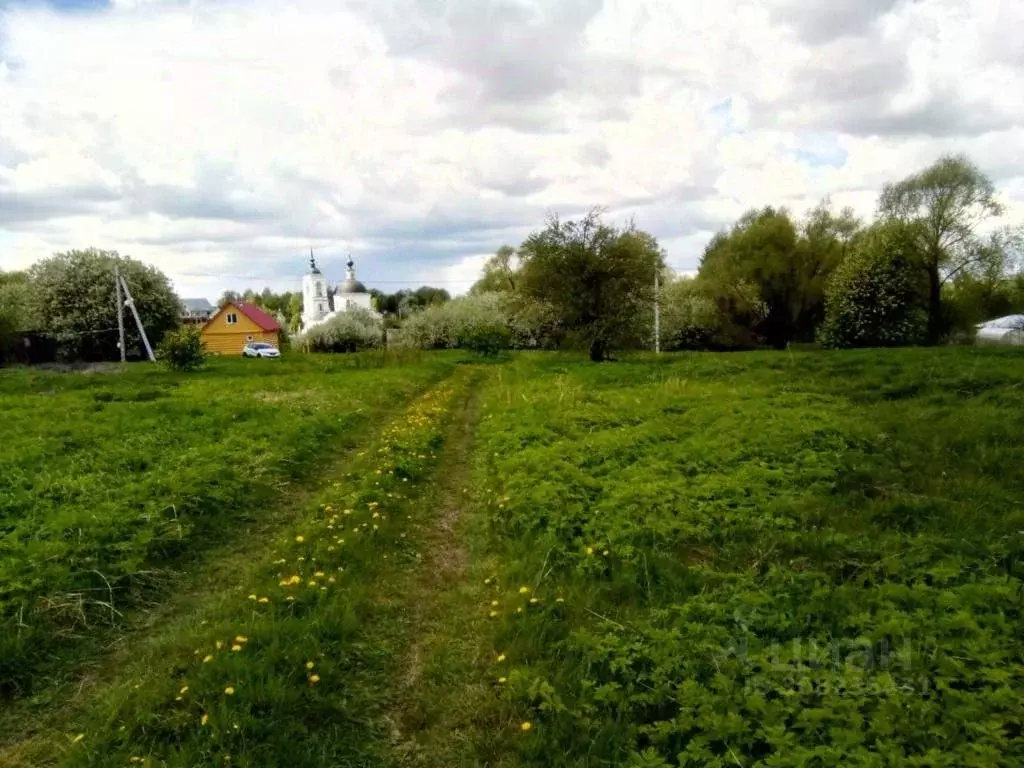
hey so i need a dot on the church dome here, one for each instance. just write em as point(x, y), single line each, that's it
point(352, 286)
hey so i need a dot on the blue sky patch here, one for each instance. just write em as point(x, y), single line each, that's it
point(820, 150)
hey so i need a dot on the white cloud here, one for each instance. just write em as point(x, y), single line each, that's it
point(221, 140)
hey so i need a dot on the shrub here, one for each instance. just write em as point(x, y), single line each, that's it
point(487, 340)
point(183, 349)
point(485, 322)
point(691, 318)
point(874, 297)
point(351, 331)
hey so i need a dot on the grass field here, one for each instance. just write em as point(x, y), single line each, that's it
point(777, 559)
point(113, 483)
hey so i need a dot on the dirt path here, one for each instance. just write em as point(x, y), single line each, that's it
point(27, 726)
point(443, 653)
point(425, 626)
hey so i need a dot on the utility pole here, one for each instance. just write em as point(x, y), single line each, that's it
point(138, 321)
point(657, 315)
point(120, 312)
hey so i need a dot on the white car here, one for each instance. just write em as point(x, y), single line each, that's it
point(260, 350)
point(1002, 330)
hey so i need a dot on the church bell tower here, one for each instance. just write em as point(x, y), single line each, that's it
point(315, 301)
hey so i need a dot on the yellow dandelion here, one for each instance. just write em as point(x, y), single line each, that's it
point(590, 550)
point(534, 601)
point(502, 680)
point(184, 690)
point(204, 719)
point(263, 600)
point(524, 590)
point(229, 691)
point(319, 574)
point(605, 553)
point(252, 597)
point(331, 580)
point(525, 726)
point(493, 614)
point(314, 679)
point(559, 599)
point(501, 657)
point(487, 581)
point(494, 603)
point(219, 645)
point(241, 639)
point(290, 599)
point(310, 664)
point(300, 539)
point(519, 609)
point(236, 647)
point(208, 658)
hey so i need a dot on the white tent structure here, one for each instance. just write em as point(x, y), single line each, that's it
point(1002, 330)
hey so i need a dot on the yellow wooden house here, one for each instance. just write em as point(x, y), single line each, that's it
point(237, 324)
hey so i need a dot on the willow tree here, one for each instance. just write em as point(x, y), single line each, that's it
point(942, 208)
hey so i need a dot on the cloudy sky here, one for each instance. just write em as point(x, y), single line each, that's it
point(221, 139)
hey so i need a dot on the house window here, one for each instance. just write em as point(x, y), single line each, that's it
point(248, 338)
point(232, 318)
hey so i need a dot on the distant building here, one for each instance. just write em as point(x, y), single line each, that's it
point(320, 302)
point(236, 324)
point(196, 311)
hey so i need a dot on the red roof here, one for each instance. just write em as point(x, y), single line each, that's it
point(258, 316)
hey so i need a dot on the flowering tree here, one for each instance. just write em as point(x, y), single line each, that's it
point(875, 298)
point(351, 331)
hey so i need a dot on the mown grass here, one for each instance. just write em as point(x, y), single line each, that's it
point(754, 559)
point(114, 484)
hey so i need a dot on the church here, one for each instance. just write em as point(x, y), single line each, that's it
point(321, 302)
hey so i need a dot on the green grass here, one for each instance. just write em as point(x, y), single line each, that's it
point(113, 484)
point(234, 682)
point(757, 559)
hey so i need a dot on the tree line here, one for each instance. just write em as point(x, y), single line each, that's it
point(68, 301)
point(933, 263)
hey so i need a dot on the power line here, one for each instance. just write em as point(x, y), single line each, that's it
point(274, 278)
point(292, 279)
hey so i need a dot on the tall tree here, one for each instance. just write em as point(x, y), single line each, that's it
point(229, 297)
point(73, 297)
point(942, 208)
point(755, 272)
point(599, 280)
point(294, 312)
point(499, 273)
point(768, 272)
